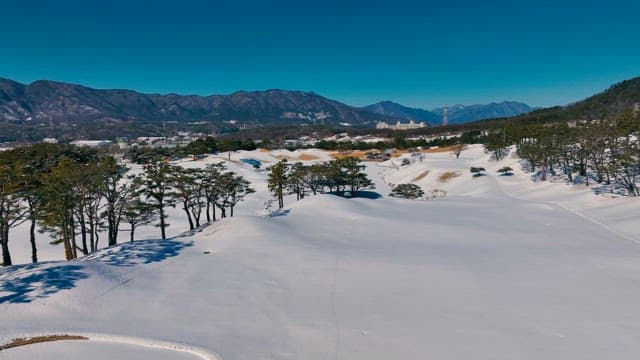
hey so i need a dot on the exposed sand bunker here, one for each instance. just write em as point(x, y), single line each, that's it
point(101, 346)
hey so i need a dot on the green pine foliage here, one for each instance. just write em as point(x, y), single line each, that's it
point(407, 191)
point(74, 194)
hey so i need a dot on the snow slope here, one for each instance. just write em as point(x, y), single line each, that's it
point(254, 204)
point(489, 272)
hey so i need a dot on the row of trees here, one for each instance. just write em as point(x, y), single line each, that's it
point(201, 146)
point(341, 175)
point(77, 194)
point(604, 151)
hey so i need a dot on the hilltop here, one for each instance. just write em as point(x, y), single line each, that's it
point(618, 98)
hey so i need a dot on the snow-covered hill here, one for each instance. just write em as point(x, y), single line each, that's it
point(500, 268)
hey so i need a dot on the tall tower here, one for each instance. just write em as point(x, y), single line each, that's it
point(445, 116)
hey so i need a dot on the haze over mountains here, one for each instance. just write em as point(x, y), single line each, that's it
point(456, 113)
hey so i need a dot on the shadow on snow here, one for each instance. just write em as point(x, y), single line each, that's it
point(140, 252)
point(362, 194)
point(25, 283)
point(279, 212)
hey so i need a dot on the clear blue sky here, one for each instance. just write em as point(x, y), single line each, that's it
point(420, 53)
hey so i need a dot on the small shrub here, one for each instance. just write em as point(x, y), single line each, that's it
point(506, 171)
point(407, 191)
point(477, 171)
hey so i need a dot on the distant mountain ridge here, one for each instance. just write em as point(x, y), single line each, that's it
point(57, 102)
point(456, 113)
point(618, 98)
point(393, 109)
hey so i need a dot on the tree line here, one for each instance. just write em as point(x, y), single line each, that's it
point(77, 194)
point(339, 176)
point(202, 146)
point(603, 151)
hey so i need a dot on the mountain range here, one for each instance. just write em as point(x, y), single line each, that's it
point(456, 114)
point(61, 103)
point(79, 111)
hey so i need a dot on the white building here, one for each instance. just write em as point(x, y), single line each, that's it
point(400, 126)
point(92, 143)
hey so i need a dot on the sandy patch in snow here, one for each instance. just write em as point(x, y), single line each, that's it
point(102, 347)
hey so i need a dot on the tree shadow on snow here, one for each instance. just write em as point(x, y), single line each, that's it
point(21, 284)
point(363, 194)
point(140, 252)
point(280, 212)
point(610, 189)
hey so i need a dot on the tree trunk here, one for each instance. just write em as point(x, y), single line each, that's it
point(186, 210)
point(113, 226)
point(32, 235)
point(96, 237)
point(83, 231)
point(132, 233)
point(66, 238)
point(197, 217)
point(74, 246)
point(116, 229)
point(162, 225)
point(92, 237)
point(6, 256)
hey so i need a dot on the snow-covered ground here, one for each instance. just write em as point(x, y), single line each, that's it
point(500, 268)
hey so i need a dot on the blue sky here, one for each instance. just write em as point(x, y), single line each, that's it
point(419, 53)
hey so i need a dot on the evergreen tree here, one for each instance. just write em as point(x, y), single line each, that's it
point(155, 186)
point(352, 175)
point(277, 181)
point(60, 204)
point(116, 195)
point(12, 210)
point(137, 213)
point(210, 179)
point(407, 191)
point(296, 179)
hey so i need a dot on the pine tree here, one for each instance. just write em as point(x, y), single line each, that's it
point(137, 213)
point(210, 179)
point(277, 181)
point(12, 211)
point(407, 191)
point(155, 185)
point(115, 192)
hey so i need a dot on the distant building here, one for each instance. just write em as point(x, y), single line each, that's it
point(92, 143)
point(400, 126)
point(292, 142)
point(50, 140)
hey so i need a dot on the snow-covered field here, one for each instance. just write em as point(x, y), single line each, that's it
point(500, 268)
